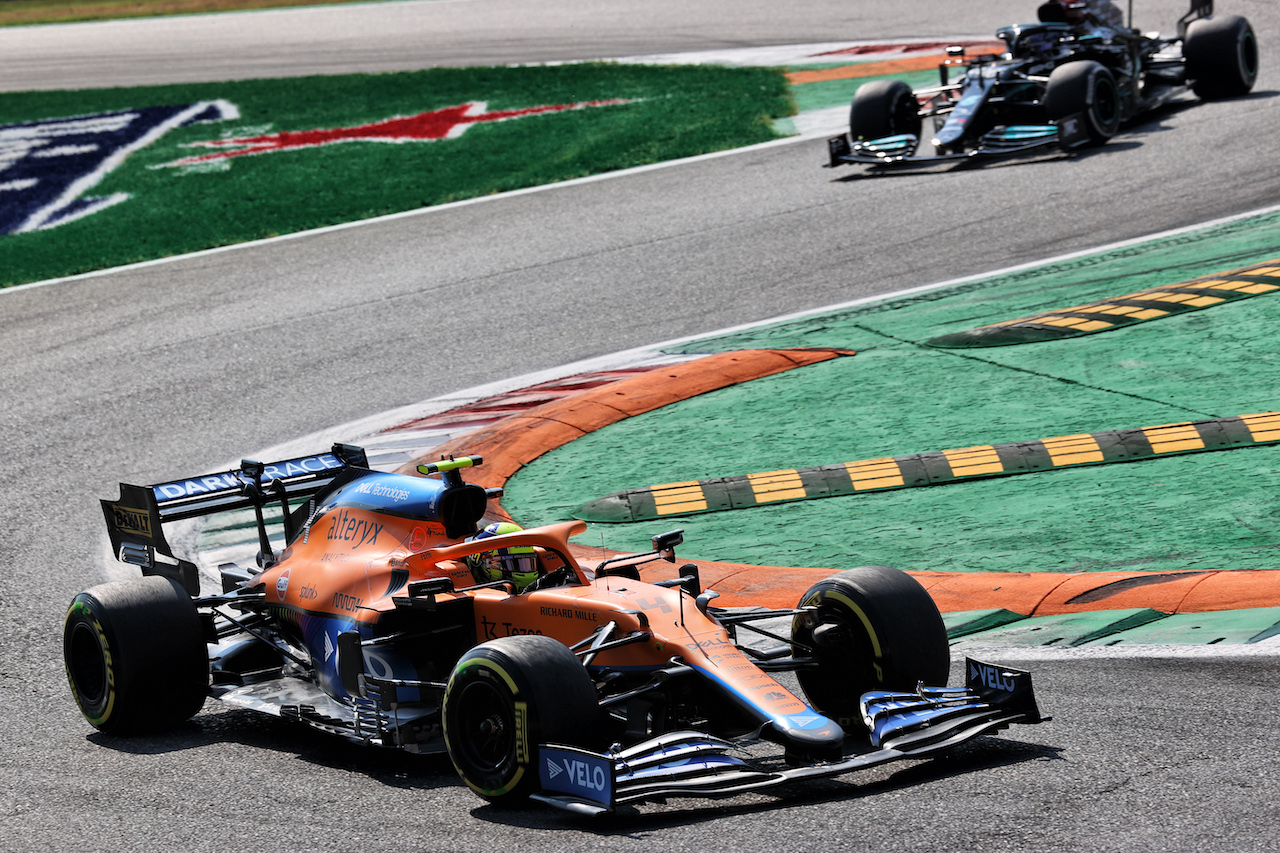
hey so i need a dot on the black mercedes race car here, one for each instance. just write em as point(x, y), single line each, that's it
point(1060, 82)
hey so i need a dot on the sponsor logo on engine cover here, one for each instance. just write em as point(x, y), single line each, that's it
point(48, 167)
point(353, 531)
point(378, 490)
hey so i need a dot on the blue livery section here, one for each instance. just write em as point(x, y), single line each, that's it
point(397, 494)
point(320, 635)
point(51, 164)
point(807, 729)
point(698, 764)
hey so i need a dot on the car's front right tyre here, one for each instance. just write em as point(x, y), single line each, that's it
point(869, 628)
point(883, 108)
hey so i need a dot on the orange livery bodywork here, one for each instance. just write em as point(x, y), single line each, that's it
point(388, 617)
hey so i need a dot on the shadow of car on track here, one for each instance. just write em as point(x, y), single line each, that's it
point(1154, 121)
point(258, 731)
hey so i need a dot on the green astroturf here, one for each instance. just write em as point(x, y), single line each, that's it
point(896, 397)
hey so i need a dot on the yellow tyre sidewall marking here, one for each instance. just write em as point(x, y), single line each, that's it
point(105, 648)
point(836, 595)
point(523, 756)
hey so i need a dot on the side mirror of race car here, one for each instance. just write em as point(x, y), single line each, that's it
point(664, 547)
point(665, 544)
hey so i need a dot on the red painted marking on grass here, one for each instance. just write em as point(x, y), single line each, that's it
point(907, 47)
point(447, 123)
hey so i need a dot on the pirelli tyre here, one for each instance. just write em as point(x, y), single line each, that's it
point(1084, 90)
point(504, 698)
point(1221, 56)
point(883, 108)
point(135, 655)
point(872, 628)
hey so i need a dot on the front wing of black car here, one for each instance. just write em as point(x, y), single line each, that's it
point(900, 151)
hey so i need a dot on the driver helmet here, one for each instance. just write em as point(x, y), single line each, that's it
point(1075, 11)
point(517, 563)
point(1065, 11)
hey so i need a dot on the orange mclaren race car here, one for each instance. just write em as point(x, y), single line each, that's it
point(392, 617)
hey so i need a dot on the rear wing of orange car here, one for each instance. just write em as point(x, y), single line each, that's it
point(135, 520)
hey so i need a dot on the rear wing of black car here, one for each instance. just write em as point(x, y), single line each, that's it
point(136, 519)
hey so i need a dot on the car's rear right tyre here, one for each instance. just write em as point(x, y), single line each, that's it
point(135, 655)
point(1221, 54)
point(883, 108)
point(1086, 89)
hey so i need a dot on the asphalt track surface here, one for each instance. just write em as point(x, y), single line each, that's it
point(143, 374)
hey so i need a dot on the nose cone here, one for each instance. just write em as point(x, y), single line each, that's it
point(951, 132)
point(810, 737)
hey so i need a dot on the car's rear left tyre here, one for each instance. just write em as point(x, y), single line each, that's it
point(875, 628)
point(135, 655)
point(1222, 56)
point(504, 698)
point(883, 108)
point(1086, 89)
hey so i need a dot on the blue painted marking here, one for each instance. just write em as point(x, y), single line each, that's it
point(47, 167)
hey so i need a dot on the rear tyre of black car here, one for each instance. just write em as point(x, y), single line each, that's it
point(1086, 89)
point(135, 655)
point(506, 697)
point(876, 628)
point(1222, 56)
point(883, 108)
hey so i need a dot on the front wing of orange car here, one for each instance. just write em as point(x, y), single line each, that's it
point(693, 764)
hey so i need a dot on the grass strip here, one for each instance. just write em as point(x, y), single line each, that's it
point(673, 112)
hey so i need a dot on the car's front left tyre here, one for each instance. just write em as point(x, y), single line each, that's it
point(504, 698)
point(135, 655)
point(1086, 91)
